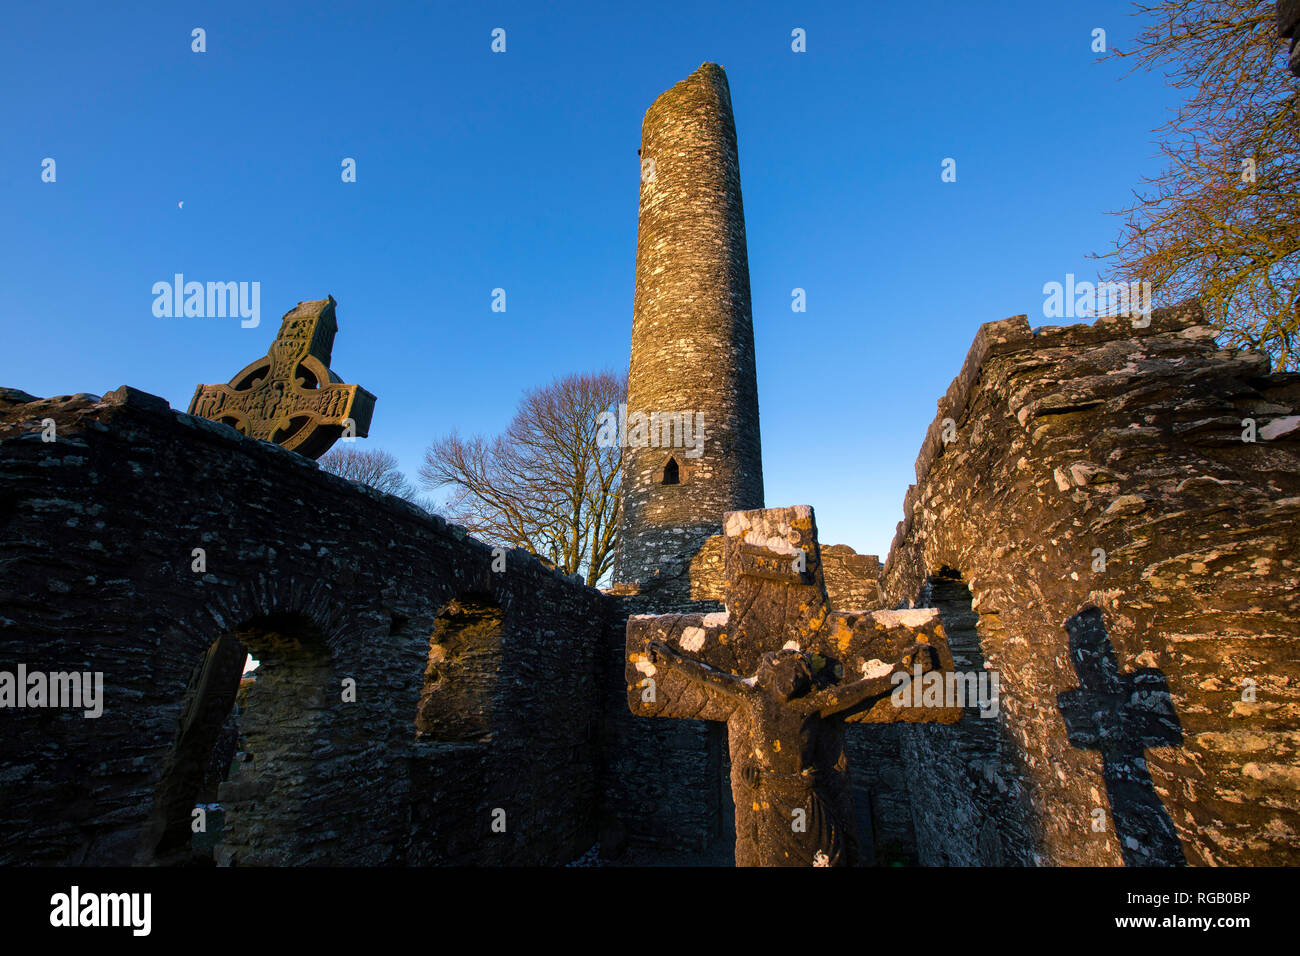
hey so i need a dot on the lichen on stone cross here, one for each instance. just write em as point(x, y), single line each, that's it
point(784, 671)
point(290, 396)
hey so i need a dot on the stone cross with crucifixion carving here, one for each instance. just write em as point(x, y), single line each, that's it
point(290, 396)
point(785, 672)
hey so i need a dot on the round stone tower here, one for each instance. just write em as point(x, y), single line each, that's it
point(691, 439)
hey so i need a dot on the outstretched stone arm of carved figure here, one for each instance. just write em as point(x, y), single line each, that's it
point(841, 697)
point(728, 684)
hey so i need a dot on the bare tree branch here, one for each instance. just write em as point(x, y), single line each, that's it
point(545, 484)
point(370, 466)
point(1222, 222)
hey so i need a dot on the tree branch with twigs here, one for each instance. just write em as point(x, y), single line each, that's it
point(1222, 222)
point(545, 484)
point(370, 466)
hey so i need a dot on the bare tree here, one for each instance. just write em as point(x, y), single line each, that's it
point(546, 484)
point(1222, 222)
point(370, 466)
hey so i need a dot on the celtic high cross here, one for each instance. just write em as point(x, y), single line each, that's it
point(290, 396)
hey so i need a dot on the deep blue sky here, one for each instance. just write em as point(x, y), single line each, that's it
point(519, 170)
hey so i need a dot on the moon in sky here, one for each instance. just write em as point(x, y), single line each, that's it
point(181, 204)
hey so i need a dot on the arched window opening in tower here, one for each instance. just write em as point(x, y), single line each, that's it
point(671, 476)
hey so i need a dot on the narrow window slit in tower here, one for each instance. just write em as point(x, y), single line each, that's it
point(670, 472)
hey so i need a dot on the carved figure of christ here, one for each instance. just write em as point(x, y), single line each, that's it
point(785, 721)
point(784, 725)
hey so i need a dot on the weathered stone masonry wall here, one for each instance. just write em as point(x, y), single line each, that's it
point(1128, 440)
point(325, 580)
point(692, 335)
point(662, 785)
point(852, 579)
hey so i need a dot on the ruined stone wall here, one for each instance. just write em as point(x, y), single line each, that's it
point(852, 579)
point(1132, 568)
point(662, 783)
point(325, 582)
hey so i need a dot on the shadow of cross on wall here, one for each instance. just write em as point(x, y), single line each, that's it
point(785, 672)
point(1121, 715)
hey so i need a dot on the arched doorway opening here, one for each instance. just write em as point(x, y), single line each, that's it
point(968, 806)
point(244, 746)
point(208, 703)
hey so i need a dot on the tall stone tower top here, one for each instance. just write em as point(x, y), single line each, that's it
point(692, 343)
